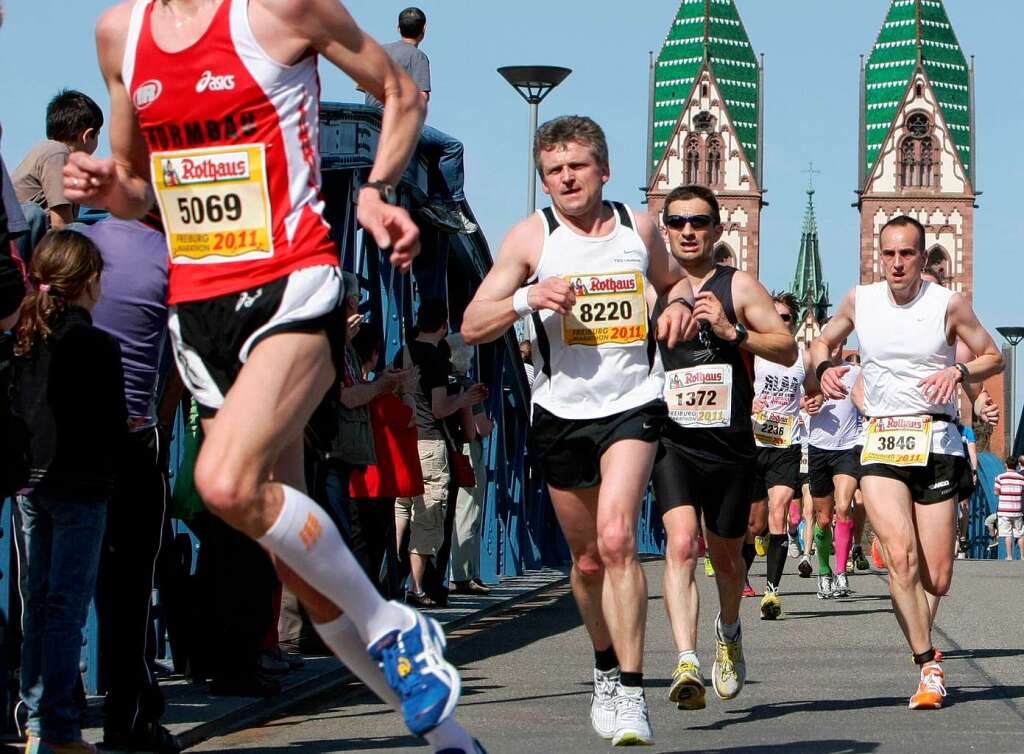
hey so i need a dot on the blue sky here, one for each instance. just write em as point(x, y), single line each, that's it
point(811, 49)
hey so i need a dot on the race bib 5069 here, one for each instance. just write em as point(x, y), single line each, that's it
point(215, 203)
point(610, 308)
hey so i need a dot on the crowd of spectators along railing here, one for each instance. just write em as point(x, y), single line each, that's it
point(394, 454)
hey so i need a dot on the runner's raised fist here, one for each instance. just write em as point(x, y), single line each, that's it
point(832, 385)
point(87, 179)
point(552, 293)
point(391, 227)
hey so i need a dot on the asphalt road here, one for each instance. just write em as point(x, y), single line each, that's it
point(832, 678)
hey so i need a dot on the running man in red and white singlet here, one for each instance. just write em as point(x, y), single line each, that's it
point(214, 117)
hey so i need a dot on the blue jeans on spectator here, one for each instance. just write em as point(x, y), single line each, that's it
point(447, 152)
point(63, 538)
point(38, 224)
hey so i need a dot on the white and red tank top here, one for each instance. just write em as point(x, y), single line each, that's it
point(232, 136)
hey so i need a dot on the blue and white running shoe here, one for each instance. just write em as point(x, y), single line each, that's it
point(414, 666)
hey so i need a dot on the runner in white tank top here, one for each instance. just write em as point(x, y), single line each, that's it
point(579, 270)
point(912, 456)
point(778, 433)
point(833, 470)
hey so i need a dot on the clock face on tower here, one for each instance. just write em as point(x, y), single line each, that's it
point(918, 125)
point(703, 121)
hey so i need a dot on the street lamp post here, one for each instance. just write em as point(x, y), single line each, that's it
point(1013, 336)
point(534, 83)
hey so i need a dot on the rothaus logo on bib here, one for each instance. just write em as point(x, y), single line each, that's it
point(214, 83)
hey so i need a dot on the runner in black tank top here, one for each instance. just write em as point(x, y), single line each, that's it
point(706, 459)
point(716, 445)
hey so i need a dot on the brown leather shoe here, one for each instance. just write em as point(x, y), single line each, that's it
point(474, 586)
point(422, 601)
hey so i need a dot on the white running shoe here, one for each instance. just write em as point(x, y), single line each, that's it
point(825, 591)
point(602, 702)
point(632, 721)
point(841, 585)
point(794, 548)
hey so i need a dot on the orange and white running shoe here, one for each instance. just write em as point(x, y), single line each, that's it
point(931, 690)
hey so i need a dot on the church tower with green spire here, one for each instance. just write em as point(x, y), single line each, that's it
point(706, 121)
point(809, 285)
point(916, 152)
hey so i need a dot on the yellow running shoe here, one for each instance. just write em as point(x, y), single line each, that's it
point(771, 605)
point(687, 689)
point(730, 669)
point(709, 570)
point(760, 547)
point(931, 690)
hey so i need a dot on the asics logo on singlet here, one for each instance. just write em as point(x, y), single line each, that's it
point(214, 83)
point(246, 299)
point(147, 93)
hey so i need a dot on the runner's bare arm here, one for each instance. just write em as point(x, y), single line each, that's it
point(676, 322)
point(491, 312)
point(327, 27)
point(962, 323)
point(768, 336)
point(119, 183)
point(833, 334)
point(857, 394)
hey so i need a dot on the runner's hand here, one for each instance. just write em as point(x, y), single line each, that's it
point(758, 405)
point(552, 293)
point(987, 409)
point(708, 308)
point(352, 326)
point(832, 385)
point(475, 394)
point(812, 403)
point(940, 387)
point(391, 227)
point(676, 324)
point(88, 180)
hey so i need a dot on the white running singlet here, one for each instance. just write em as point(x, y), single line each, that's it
point(900, 345)
point(781, 389)
point(837, 425)
point(601, 359)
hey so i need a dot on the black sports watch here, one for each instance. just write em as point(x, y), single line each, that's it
point(387, 192)
point(965, 373)
point(741, 335)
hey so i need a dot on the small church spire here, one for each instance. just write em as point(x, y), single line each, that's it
point(707, 30)
point(809, 285)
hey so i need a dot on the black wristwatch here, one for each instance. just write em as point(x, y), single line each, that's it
point(965, 373)
point(741, 335)
point(387, 192)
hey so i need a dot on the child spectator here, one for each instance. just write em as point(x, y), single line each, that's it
point(73, 123)
point(1010, 491)
point(68, 390)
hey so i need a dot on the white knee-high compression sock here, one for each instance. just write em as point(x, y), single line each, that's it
point(309, 543)
point(341, 636)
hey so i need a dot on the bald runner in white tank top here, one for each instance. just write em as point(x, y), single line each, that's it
point(900, 346)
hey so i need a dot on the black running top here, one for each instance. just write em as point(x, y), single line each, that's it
point(735, 443)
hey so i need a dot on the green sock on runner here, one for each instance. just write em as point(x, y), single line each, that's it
point(823, 546)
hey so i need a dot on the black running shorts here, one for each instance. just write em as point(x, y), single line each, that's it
point(939, 480)
point(722, 492)
point(825, 464)
point(212, 339)
point(569, 450)
point(778, 467)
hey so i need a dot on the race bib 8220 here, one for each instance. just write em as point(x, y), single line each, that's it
point(215, 203)
point(610, 308)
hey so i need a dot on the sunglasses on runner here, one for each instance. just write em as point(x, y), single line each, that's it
point(697, 222)
point(786, 317)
